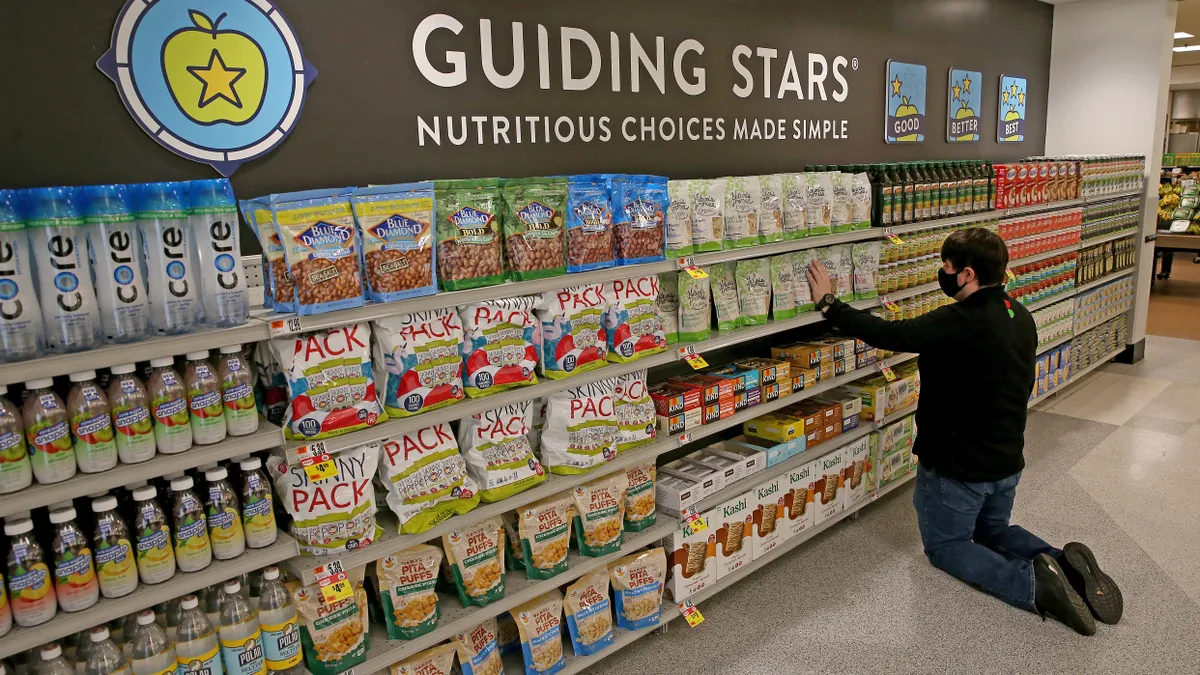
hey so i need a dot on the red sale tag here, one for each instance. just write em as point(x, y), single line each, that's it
point(887, 372)
point(690, 613)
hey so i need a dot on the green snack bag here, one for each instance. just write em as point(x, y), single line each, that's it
point(840, 215)
point(534, 212)
point(866, 269)
point(819, 204)
point(783, 295)
point(725, 295)
point(742, 197)
point(679, 219)
point(754, 290)
point(793, 205)
point(468, 233)
point(666, 305)
point(695, 307)
point(802, 294)
point(770, 208)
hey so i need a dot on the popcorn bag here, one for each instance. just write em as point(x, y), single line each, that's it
point(573, 335)
point(500, 349)
point(421, 355)
point(333, 514)
point(636, 422)
point(499, 457)
point(334, 636)
point(632, 326)
point(581, 428)
point(426, 478)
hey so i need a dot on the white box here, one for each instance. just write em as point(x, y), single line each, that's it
point(768, 517)
point(828, 486)
point(673, 494)
point(730, 469)
point(857, 474)
point(734, 524)
point(700, 548)
point(798, 485)
point(754, 457)
point(714, 481)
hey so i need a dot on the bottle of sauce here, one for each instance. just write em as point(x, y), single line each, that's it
point(991, 179)
point(91, 424)
point(155, 555)
point(189, 529)
point(196, 646)
point(965, 188)
point(15, 471)
point(115, 558)
point(168, 403)
point(74, 572)
point(151, 652)
point(204, 399)
point(980, 186)
point(258, 513)
point(277, 618)
point(949, 191)
point(910, 192)
point(48, 433)
point(29, 580)
point(935, 190)
point(241, 639)
point(105, 657)
point(224, 515)
point(130, 406)
point(237, 391)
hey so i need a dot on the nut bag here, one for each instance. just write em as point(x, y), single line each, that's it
point(860, 202)
point(666, 305)
point(406, 591)
point(278, 281)
point(632, 326)
point(330, 380)
point(783, 294)
point(589, 224)
point(695, 308)
point(840, 218)
point(332, 514)
point(754, 290)
point(545, 531)
point(333, 637)
point(639, 218)
point(600, 515)
point(865, 257)
point(498, 453)
point(426, 478)
point(573, 336)
point(422, 358)
point(802, 293)
point(679, 219)
point(469, 247)
point(500, 349)
point(637, 582)
point(479, 650)
point(724, 286)
point(770, 208)
point(321, 247)
point(818, 209)
point(475, 556)
point(534, 219)
point(793, 205)
point(581, 428)
point(396, 222)
point(539, 622)
point(635, 411)
point(437, 660)
point(742, 202)
point(639, 497)
point(708, 214)
point(845, 272)
point(589, 614)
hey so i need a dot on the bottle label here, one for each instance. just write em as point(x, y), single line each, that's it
point(141, 667)
point(95, 449)
point(281, 645)
point(243, 656)
point(115, 568)
point(132, 422)
point(208, 663)
point(206, 414)
point(33, 599)
point(258, 519)
point(885, 210)
point(155, 559)
point(172, 428)
point(225, 532)
point(75, 581)
point(192, 549)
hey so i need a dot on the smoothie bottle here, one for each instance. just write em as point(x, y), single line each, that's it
point(116, 565)
point(130, 405)
point(59, 245)
point(241, 639)
point(193, 551)
point(151, 652)
point(30, 583)
point(74, 572)
point(237, 391)
point(258, 514)
point(47, 433)
point(204, 399)
point(169, 405)
point(155, 555)
point(224, 515)
point(91, 424)
point(6, 618)
point(105, 657)
point(162, 218)
point(212, 215)
point(196, 646)
point(15, 471)
point(22, 335)
point(116, 256)
point(277, 618)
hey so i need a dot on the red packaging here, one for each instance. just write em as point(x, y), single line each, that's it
point(713, 388)
point(672, 399)
point(1006, 176)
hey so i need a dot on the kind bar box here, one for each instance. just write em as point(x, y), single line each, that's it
point(778, 426)
point(828, 486)
point(733, 522)
point(693, 560)
point(673, 494)
point(798, 485)
point(803, 378)
point(677, 409)
point(858, 475)
point(768, 517)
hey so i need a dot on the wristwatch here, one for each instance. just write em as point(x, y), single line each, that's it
point(825, 301)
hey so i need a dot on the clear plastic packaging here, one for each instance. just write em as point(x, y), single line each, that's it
point(22, 333)
point(52, 662)
point(203, 387)
point(151, 653)
point(193, 551)
point(68, 300)
point(212, 217)
point(241, 638)
point(91, 424)
point(48, 432)
point(161, 210)
point(155, 555)
point(278, 621)
point(130, 407)
point(105, 658)
point(114, 552)
point(169, 405)
point(258, 514)
point(29, 578)
point(196, 646)
point(224, 516)
point(15, 470)
point(117, 259)
point(74, 572)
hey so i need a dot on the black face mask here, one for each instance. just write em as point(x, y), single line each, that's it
point(949, 283)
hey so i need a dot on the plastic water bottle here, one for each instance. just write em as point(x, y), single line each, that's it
point(212, 215)
point(277, 617)
point(22, 335)
point(120, 287)
point(196, 647)
point(105, 658)
point(83, 649)
point(67, 296)
point(241, 639)
point(162, 219)
point(53, 662)
point(152, 651)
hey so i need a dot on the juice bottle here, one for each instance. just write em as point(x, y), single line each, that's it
point(980, 186)
point(241, 639)
point(67, 297)
point(152, 653)
point(115, 558)
point(212, 216)
point(161, 212)
point(277, 616)
point(132, 429)
point(920, 192)
point(74, 572)
point(29, 580)
point(204, 399)
point(91, 424)
point(155, 555)
point(52, 661)
point(168, 403)
point(15, 471)
point(910, 193)
point(22, 333)
point(190, 531)
point(224, 516)
point(105, 657)
point(196, 646)
point(237, 391)
point(48, 433)
point(6, 618)
point(120, 288)
point(258, 514)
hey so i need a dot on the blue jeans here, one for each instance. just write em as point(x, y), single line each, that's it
point(966, 533)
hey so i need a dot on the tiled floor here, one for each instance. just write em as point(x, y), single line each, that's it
point(1113, 462)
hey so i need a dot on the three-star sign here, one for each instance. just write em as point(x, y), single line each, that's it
point(1021, 98)
point(966, 85)
point(958, 91)
point(1005, 97)
point(218, 80)
point(896, 86)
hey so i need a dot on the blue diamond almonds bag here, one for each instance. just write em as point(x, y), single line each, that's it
point(321, 248)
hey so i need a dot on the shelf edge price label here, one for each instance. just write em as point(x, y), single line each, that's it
point(690, 613)
point(692, 521)
point(889, 303)
point(336, 588)
point(319, 467)
point(1010, 275)
point(684, 439)
point(311, 450)
point(892, 236)
point(689, 265)
point(692, 357)
point(288, 326)
point(887, 372)
point(329, 569)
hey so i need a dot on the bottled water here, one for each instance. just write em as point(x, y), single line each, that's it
point(120, 287)
point(130, 629)
point(83, 649)
point(241, 639)
point(277, 617)
point(67, 296)
point(22, 335)
point(196, 649)
point(170, 257)
point(152, 651)
point(105, 658)
point(212, 216)
point(53, 662)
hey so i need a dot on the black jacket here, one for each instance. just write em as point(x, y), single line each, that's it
point(977, 372)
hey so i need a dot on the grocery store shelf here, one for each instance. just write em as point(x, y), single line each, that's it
point(1042, 256)
point(1034, 306)
point(1096, 321)
point(1042, 349)
point(1039, 208)
point(896, 414)
point(737, 336)
point(945, 222)
point(914, 291)
point(64, 624)
point(1104, 280)
point(1096, 199)
point(111, 355)
point(760, 250)
point(81, 484)
point(1108, 237)
point(1075, 377)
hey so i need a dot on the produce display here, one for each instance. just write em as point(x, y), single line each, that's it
point(1179, 206)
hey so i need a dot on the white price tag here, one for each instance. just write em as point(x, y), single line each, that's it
point(684, 439)
point(312, 449)
point(288, 326)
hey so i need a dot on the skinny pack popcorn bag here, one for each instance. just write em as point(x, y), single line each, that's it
point(333, 514)
point(632, 326)
point(636, 421)
point(500, 349)
point(422, 359)
point(426, 478)
point(497, 450)
point(581, 428)
point(573, 335)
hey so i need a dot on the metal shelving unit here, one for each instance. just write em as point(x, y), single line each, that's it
point(914, 291)
point(1096, 283)
point(1086, 243)
point(979, 217)
point(1016, 211)
point(1095, 199)
point(1034, 306)
point(1043, 255)
point(1075, 377)
point(1042, 349)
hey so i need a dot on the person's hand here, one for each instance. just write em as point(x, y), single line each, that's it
point(818, 280)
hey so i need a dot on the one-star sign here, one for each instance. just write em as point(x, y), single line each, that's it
point(218, 80)
point(896, 86)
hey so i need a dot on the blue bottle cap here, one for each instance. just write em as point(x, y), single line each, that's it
point(10, 211)
point(44, 206)
point(166, 196)
point(105, 200)
point(210, 193)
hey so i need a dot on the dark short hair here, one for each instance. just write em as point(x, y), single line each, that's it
point(980, 249)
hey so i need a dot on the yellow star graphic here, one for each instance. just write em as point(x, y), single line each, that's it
point(896, 86)
point(1005, 97)
point(218, 80)
point(1013, 89)
point(1021, 98)
point(966, 85)
point(957, 92)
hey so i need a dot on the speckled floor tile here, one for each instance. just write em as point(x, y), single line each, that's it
point(1167, 358)
point(1108, 397)
point(1164, 425)
point(1179, 401)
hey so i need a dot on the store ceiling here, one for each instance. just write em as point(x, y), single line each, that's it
point(1188, 21)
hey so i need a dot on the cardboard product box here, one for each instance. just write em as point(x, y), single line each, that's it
point(828, 486)
point(734, 524)
point(803, 355)
point(849, 423)
point(770, 371)
point(693, 560)
point(768, 517)
point(673, 494)
point(1006, 182)
point(798, 512)
point(859, 472)
point(771, 392)
point(867, 358)
point(778, 426)
point(731, 469)
point(713, 389)
point(752, 456)
point(677, 408)
point(777, 453)
point(715, 412)
point(825, 370)
point(746, 378)
point(892, 449)
point(712, 480)
point(804, 378)
point(840, 347)
point(839, 367)
point(861, 347)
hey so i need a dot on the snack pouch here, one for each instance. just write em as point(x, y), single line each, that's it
point(783, 293)
point(635, 411)
point(499, 348)
point(475, 556)
point(865, 257)
point(794, 206)
point(573, 336)
point(437, 660)
point(754, 290)
point(831, 258)
point(468, 233)
point(333, 514)
point(321, 247)
point(581, 428)
point(600, 515)
point(270, 390)
point(839, 216)
point(512, 539)
point(770, 208)
point(742, 202)
point(406, 591)
point(860, 201)
point(396, 222)
point(639, 496)
point(507, 634)
point(539, 623)
point(589, 224)
point(632, 326)
point(818, 209)
point(637, 582)
point(334, 637)
point(499, 457)
point(639, 218)
point(331, 384)
point(802, 298)
point(545, 531)
point(679, 219)
point(666, 305)
point(724, 286)
point(534, 218)
point(479, 650)
point(589, 614)
point(845, 272)
point(707, 196)
point(695, 308)
point(279, 285)
point(421, 355)
point(426, 478)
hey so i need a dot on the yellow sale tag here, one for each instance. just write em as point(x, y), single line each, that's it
point(887, 302)
point(319, 467)
point(691, 613)
point(1011, 276)
point(337, 591)
point(693, 522)
point(892, 236)
point(693, 359)
point(696, 272)
point(887, 373)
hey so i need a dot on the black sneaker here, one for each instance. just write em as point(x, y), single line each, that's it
point(1053, 595)
point(1098, 589)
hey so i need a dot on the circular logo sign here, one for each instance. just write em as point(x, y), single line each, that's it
point(216, 81)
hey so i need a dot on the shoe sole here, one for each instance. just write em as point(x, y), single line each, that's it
point(1101, 593)
point(1080, 607)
